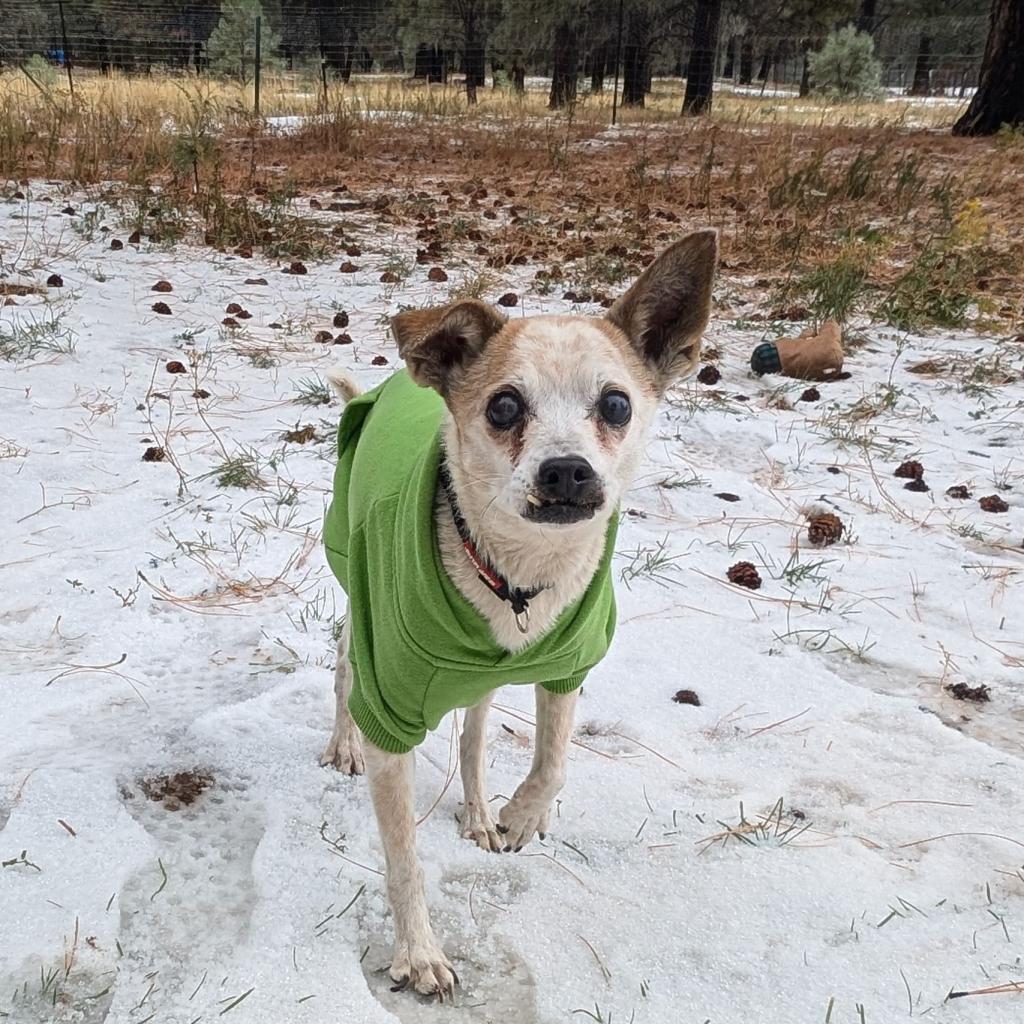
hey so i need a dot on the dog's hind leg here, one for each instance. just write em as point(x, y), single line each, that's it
point(419, 960)
point(529, 810)
point(477, 823)
point(344, 750)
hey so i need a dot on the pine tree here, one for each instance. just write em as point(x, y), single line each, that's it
point(232, 46)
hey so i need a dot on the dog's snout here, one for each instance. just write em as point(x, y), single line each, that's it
point(566, 478)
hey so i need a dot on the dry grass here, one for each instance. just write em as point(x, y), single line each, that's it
point(843, 210)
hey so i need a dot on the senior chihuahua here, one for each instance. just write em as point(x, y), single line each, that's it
point(472, 527)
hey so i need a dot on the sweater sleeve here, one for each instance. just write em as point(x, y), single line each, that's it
point(565, 685)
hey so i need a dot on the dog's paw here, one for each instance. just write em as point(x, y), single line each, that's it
point(478, 825)
point(425, 968)
point(344, 752)
point(520, 819)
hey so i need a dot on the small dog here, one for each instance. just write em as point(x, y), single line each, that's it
point(472, 527)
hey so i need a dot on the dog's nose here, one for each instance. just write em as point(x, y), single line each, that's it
point(565, 479)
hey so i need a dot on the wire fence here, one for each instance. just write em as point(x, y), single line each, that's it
point(515, 44)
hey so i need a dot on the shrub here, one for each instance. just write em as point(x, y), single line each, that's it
point(45, 73)
point(845, 67)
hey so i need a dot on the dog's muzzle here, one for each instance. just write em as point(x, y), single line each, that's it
point(566, 490)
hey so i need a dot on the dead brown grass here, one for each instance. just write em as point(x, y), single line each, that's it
point(837, 217)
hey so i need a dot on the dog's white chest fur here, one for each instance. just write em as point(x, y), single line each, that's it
point(565, 569)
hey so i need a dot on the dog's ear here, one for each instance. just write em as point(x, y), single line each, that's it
point(666, 310)
point(437, 343)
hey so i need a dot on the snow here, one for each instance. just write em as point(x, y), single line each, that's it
point(215, 655)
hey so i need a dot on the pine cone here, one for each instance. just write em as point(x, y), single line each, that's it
point(977, 694)
point(909, 470)
point(743, 574)
point(824, 529)
point(687, 697)
point(709, 375)
point(993, 503)
point(958, 491)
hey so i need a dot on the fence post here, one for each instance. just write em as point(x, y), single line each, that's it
point(259, 38)
point(67, 49)
point(618, 58)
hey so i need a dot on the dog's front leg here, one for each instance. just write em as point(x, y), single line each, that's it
point(419, 960)
point(477, 823)
point(530, 807)
point(344, 750)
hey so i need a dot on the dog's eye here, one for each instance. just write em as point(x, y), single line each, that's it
point(614, 408)
point(505, 409)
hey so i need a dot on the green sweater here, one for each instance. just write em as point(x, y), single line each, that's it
point(418, 648)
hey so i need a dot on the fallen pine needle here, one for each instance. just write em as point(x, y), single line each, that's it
point(898, 803)
point(559, 864)
point(1005, 989)
point(953, 835)
point(607, 975)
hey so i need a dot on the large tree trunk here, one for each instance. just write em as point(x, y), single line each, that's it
point(766, 66)
point(730, 58)
point(700, 69)
point(1000, 96)
point(746, 61)
point(634, 77)
point(921, 86)
point(635, 59)
point(566, 64)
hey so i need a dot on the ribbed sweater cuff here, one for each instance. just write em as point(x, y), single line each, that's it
point(364, 717)
point(565, 685)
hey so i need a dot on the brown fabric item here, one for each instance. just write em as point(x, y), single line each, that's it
point(812, 356)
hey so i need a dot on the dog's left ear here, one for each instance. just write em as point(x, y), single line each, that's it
point(437, 343)
point(666, 310)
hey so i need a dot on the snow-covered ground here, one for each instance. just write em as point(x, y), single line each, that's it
point(156, 621)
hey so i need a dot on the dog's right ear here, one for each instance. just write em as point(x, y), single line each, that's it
point(438, 343)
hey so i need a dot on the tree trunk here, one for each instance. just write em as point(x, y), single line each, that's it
point(598, 66)
point(634, 59)
point(472, 56)
point(866, 18)
point(766, 66)
point(566, 64)
point(348, 54)
point(805, 73)
point(746, 61)
point(700, 70)
point(921, 86)
point(518, 77)
point(1000, 96)
point(730, 58)
point(331, 28)
point(421, 62)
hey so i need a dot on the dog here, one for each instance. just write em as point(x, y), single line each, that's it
point(472, 527)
